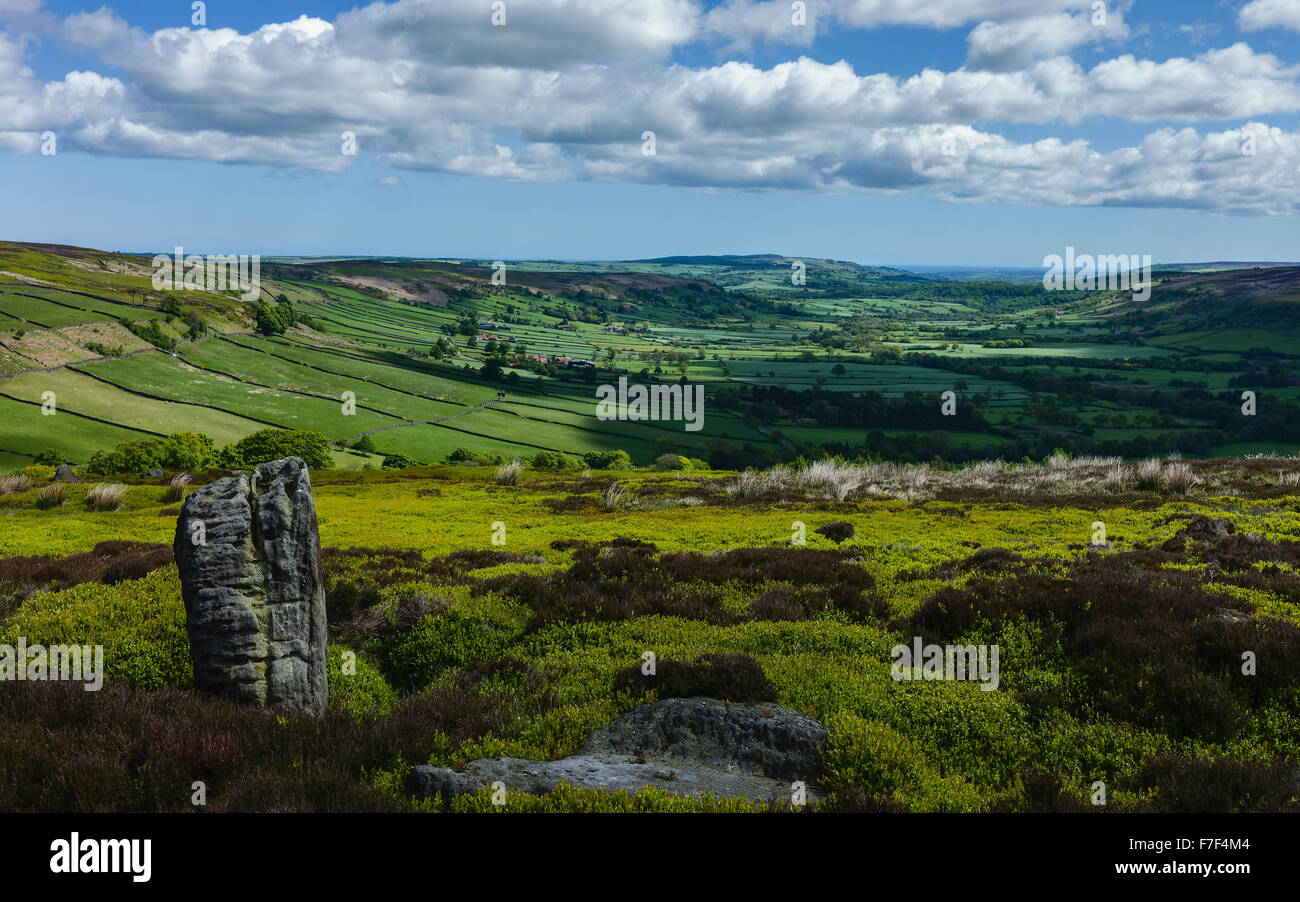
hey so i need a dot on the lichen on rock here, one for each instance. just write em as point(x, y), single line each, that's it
point(248, 550)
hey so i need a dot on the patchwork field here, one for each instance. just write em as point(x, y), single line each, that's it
point(410, 358)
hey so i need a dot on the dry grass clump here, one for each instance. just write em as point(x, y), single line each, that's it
point(11, 485)
point(1118, 477)
point(1178, 476)
point(613, 496)
point(754, 484)
point(838, 481)
point(1289, 480)
point(105, 496)
point(176, 488)
point(1060, 475)
point(1146, 474)
point(52, 495)
point(508, 474)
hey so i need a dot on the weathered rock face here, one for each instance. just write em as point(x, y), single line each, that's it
point(765, 739)
point(608, 772)
point(249, 559)
point(686, 746)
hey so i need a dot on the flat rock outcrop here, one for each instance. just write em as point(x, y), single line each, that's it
point(687, 746)
point(248, 551)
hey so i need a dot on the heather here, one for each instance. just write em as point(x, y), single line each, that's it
point(1121, 661)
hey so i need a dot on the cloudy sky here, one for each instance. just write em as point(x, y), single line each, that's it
point(883, 131)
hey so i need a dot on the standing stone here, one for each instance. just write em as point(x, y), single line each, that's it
point(64, 474)
point(249, 559)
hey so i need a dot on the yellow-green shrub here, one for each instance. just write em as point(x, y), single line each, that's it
point(140, 623)
point(39, 473)
point(452, 633)
point(864, 758)
point(568, 798)
point(363, 692)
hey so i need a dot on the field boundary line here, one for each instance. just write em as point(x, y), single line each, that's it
point(85, 416)
point(321, 369)
point(85, 294)
point(505, 441)
point(88, 360)
point(152, 397)
point(454, 416)
point(292, 391)
point(23, 319)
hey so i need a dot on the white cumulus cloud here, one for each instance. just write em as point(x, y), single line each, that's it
point(1260, 14)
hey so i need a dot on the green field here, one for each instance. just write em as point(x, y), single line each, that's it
point(426, 346)
point(86, 395)
point(27, 430)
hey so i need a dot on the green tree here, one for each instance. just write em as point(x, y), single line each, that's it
point(274, 320)
point(189, 451)
point(272, 444)
point(608, 460)
point(52, 457)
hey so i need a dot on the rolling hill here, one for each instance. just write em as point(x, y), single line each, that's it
point(853, 363)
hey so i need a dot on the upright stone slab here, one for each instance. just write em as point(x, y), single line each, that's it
point(249, 559)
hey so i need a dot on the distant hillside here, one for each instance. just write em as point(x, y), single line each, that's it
point(774, 271)
point(443, 284)
point(1258, 298)
point(1218, 266)
point(754, 272)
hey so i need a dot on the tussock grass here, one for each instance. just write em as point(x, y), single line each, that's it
point(11, 485)
point(1059, 476)
point(1178, 476)
point(105, 496)
point(176, 488)
point(613, 496)
point(52, 495)
point(508, 474)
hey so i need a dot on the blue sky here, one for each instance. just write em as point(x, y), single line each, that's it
point(992, 134)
